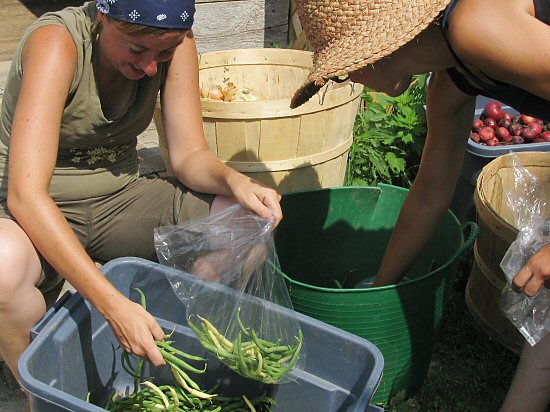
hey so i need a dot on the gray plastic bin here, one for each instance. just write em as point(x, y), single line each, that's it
point(74, 353)
point(475, 158)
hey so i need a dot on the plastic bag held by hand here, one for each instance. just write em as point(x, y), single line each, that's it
point(531, 315)
point(239, 304)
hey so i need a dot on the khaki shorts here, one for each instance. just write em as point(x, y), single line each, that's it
point(122, 224)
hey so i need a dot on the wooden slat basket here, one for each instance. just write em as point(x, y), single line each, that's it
point(290, 150)
point(497, 231)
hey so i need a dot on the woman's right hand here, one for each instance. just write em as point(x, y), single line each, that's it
point(534, 274)
point(253, 195)
point(136, 330)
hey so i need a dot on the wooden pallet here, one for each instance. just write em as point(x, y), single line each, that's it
point(241, 24)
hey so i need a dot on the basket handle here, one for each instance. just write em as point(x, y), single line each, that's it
point(469, 242)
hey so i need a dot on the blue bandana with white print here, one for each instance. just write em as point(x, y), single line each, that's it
point(168, 14)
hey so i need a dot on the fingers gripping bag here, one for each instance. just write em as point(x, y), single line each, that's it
point(235, 304)
point(528, 201)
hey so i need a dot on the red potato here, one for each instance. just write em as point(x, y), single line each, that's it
point(489, 121)
point(528, 134)
point(507, 129)
point(536, 127)
point(515, 129)
point(518, 139)
point(531, 132)
point(527, 119)
point(486, 133)
point(494, 109)
point(503, 134)
point(508, 116)
point(477, 124)
point(505, 123)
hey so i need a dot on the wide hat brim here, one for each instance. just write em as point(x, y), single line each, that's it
point(376, 34)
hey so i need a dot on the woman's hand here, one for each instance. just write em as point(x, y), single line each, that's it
point(136, 330)
point(252, 195)
point(534, 274)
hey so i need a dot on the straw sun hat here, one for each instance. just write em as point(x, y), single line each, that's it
point(347, 35)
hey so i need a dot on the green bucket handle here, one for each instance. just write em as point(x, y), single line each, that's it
point(474, 232)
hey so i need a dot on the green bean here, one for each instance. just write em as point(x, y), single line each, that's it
point(156, 389)
point(222, 340)
point(185, 376)
point(137, 377)
point(252, 408)
point(257, 341)
point(256, 358)
point(186, 395)
point(241, 326)
point(189, 389)
point(143, 300)
point(284, 359)
point(274, 356)
point(168, 346)
point(274, 349)
point(181, 363)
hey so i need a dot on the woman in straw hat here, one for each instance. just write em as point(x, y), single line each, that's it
point(499, 49)
point(83, 85)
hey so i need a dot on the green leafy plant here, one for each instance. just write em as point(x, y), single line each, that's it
point(389, 135)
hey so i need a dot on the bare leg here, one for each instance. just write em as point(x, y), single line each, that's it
point(21, 303)
point(530, 388)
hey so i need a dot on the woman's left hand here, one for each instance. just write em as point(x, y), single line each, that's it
point(261, 199)
point(535, 273)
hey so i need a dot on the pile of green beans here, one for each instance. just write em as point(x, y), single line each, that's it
point(249, 355)
point(154, 398)
point(186, 395)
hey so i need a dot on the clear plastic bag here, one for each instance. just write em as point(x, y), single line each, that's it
point(235, 304)
point(531, 315)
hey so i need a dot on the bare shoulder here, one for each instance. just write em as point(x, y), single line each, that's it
point(49, 56)
point(50, 40)
point(479, 25)
point(503, 39)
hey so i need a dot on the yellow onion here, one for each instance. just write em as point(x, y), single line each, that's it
point(215, 93)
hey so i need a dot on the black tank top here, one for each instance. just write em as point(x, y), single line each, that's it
point(471, 84)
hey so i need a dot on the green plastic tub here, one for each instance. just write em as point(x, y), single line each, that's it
point(331, 239)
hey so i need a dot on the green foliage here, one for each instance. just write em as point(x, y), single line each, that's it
point(389, 135)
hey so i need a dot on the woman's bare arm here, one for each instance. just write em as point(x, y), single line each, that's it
point(49, 61)
point(450, 114)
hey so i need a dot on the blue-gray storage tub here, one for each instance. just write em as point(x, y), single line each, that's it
point(74, 353)
point(476, 157)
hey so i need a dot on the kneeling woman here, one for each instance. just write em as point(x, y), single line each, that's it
point(83, 85)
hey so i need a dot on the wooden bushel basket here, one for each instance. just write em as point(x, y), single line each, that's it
point(290, 150)
point(495, 219)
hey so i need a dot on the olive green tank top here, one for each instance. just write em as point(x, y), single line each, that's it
point(97, 156)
